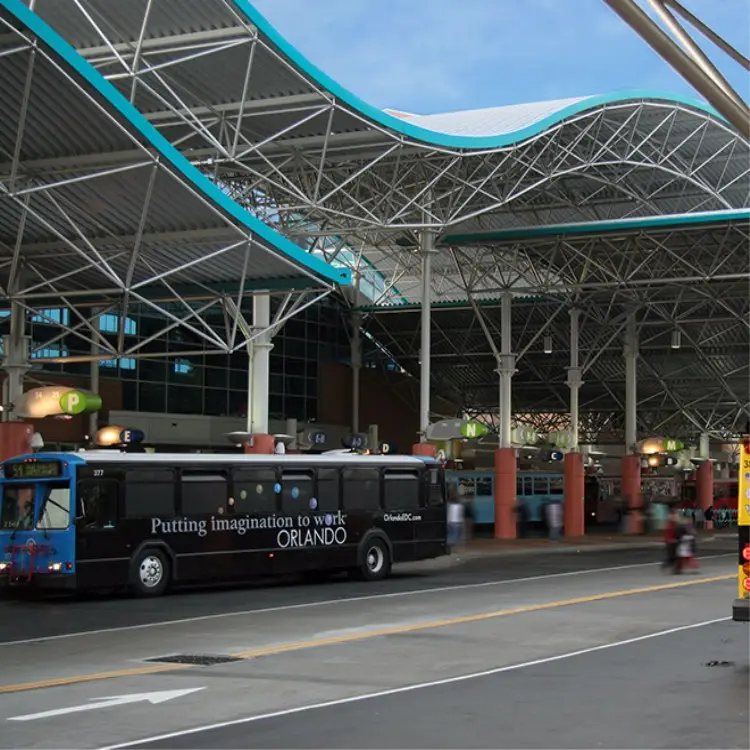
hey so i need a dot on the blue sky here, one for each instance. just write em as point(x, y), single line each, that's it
point(428, 56)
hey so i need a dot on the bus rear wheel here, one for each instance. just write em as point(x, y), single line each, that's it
point(151, 572)
point(376, 560)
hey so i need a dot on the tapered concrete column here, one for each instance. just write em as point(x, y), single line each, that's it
point(574, 519)
point(259, 376)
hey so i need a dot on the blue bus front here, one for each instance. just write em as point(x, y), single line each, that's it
point(37, 521)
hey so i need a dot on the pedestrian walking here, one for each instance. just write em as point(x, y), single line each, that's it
point(671, 538)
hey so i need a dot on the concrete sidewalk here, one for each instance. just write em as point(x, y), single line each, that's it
point(595, 542)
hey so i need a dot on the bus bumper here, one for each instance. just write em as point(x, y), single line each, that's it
point(741, 610)
point(39, 582)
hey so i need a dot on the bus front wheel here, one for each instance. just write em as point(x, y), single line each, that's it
point(151, 571)
point(376, 560)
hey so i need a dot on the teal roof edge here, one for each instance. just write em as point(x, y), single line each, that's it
point(446, 140)
point(340, 276)
point(600, 227)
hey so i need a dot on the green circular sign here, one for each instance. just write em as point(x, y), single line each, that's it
point(473, 429)
point(79, 402)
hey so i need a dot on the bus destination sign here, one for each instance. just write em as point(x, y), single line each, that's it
point(33, 470)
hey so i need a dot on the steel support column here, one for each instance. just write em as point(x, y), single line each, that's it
point(427, 249)
point(505, 456)
point(16, 360)
point(94, 375)
point(631, 466)
point(631, 385)
point(356, 357)
point(506, 369)
point(704, 480)
point(574, 518)
point(260, 374)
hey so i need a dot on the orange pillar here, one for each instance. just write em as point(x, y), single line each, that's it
point(631, 492)
point(15, 439)
point(505, 493)
point(423, 449)
point(704, 485)
point(574, 490)
point(260, 444)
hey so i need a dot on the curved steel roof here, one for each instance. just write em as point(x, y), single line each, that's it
point(274, 243)
point(459, 130)
point(502, 186)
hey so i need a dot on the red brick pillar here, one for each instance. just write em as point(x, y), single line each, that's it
point(261, 444)
point(423, 449)
point(15, 439)
point(505, 493)
point(574, 521)
point(704, 485)
point(631, 492)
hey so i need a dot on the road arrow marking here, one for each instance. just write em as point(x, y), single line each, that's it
point(114, 700)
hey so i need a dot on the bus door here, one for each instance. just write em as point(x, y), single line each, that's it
point(403, 517)
point(102, 549)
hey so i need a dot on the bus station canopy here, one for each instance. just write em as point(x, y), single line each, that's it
point(615, 204)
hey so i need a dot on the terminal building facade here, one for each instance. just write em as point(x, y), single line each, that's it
point(190, 400)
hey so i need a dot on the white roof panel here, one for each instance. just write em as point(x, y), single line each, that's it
point(492, 120)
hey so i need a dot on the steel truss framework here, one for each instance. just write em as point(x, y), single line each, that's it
point(118, 239)
point(686, 282)
point(325, 172)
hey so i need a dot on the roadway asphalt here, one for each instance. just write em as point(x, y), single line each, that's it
point(656, 693)
point(556, 630)
point(24, 618)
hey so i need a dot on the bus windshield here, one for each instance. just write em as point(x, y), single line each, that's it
point(17, 509)
point(55, 507)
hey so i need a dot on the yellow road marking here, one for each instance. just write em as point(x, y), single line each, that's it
point(399, 629)
point(366, 635)
point(59, 681)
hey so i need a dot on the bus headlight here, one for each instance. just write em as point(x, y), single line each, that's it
point(4, 566)
point(54, 567)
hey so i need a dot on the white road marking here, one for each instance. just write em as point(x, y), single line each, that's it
point(342, 600)
point(410, 688)
point(115, 700)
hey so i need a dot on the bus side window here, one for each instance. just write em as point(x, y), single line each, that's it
point(361, 489)
point(400, 489)
point(296, 492)
point(149, 493)
point(436, 487)
point(328, 490)
point(254, 490)
point(204, 493)
point(96, 504)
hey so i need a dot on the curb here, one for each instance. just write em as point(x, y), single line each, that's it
point(458, 558)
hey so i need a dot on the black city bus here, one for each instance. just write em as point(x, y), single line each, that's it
point(116, 520)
